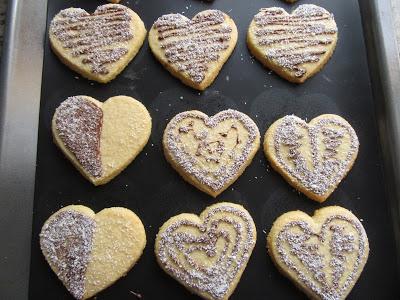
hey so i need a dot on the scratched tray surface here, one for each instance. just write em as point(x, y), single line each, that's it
point(152, 189)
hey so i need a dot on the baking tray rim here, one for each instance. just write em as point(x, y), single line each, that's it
point(20, 92)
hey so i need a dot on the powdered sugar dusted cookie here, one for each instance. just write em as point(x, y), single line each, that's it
point(296, 46)
point(207, 253)
point(89, 251)
point(101, 139)
point(313, 157)
point(194, 50)
point(211, 152)
point(323, 255)
point(97, 46)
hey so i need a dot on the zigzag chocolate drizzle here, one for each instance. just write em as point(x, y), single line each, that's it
point(92, 36)
point(192, 44)
point(293, 40)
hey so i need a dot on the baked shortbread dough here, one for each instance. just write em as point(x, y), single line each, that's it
point(296, 46)
point(313, 157)
point(101, 139)
point(323, 255)
point(97, 46)
point(194, 50)
point(89, 251)
point(211, 152)
point(208, 253)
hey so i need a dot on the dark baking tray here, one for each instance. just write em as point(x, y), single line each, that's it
point(353, 85)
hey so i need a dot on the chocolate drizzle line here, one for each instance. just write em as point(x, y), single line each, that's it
point(327, 170)
point(191, 45)
point(295, 240)
point(176, 247)
point(94, 37)
point(214, 180)
point(79, 122)
point(66, 242)
point(297, 39)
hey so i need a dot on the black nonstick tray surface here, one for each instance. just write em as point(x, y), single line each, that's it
point(155, 192)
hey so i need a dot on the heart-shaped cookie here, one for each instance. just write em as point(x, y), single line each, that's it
point(313, 157)
point(207, 254)
point(89, 251)
point(296, 46)
point(194, 50)
point(211, 152)
point(323, 255)
point(97, 46)
point(101, 139)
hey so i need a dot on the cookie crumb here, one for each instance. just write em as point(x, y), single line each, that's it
point(137, 295)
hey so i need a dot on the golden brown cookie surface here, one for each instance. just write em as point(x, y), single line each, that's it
point(323, 255)
point(88, 251)
point(296, 46)
point(207, 253)
point(194, 50)
point(211, 152)
point(100, 45)
point(313, 157)
point(101, 139)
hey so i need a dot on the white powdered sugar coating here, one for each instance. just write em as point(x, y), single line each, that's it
point(296, 39)
point(342, 245)
point(191, 45)
point(92, 37)
point(328, 170)
point(79, 122)
point(176, 247)
point(66, 242)
point(217, 179)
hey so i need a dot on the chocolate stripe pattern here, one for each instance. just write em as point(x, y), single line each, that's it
point(98, 39)
point(332, 258)
point(79, 122)
point(226, 238)
point(293, 40)
point(191, 45)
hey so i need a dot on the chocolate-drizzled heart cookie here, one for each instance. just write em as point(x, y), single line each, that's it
point(89, 251)
point(100, 45)
point(296, 46)
point(323, 255)
point(208, 253)
point(211, 152)
point(101, 139)
point(194, 50)
point(313, 157)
